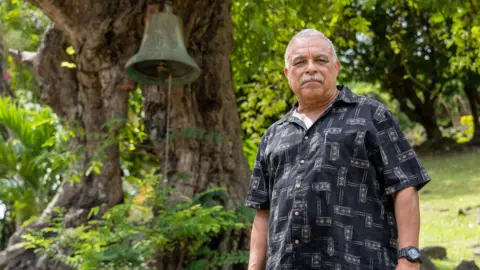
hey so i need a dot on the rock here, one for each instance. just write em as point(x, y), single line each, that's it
point(427, 264)
point(435, 252)
point(467, 265)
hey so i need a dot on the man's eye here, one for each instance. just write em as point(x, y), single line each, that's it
point(322, 60)
point(299, 62)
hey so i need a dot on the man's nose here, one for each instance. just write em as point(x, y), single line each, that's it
point(311, 68)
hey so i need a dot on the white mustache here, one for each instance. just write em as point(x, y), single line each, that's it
point(313, 79)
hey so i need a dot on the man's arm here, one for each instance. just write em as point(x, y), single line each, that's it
point(407, 215)
point(258, 241)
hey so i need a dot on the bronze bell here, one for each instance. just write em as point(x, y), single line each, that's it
point(162, 53)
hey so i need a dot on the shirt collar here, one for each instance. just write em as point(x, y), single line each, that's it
point(346, 95)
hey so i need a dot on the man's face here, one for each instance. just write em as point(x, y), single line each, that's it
point(312, 70)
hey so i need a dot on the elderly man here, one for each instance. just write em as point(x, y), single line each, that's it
point(335, 181)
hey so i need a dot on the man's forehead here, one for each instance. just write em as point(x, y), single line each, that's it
point(311, 44)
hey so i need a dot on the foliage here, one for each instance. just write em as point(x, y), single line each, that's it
point(25, 160)
point(407, 56)
point(250, 151)
point(129, 235)
point(31, 159)
point(464, 35)
point(466, 133)
point(137, 157)
point(21, 26)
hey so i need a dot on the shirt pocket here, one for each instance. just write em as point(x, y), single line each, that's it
point(343, 145)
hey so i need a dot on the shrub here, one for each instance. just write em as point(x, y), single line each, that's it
point(130, 235)
point(465, 133)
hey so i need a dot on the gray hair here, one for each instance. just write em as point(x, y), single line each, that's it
point(309, 32)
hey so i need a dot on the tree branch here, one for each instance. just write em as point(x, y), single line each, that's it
point(26, 59)
point(3, 84)
point(60, 12)
point(437, 92)
point(10, 254)
point(57, 85)
point(413, 79)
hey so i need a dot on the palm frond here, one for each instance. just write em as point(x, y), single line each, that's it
point(32, 129)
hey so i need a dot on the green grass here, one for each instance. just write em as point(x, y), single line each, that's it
point(455, 184)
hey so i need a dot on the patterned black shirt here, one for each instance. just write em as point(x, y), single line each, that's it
point(328, 188)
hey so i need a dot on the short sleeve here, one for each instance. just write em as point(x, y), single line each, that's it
point(396, 163)
point(258, 195)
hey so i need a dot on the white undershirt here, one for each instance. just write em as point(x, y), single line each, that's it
point(308, 122)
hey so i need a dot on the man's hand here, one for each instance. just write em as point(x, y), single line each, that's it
point(404, 264)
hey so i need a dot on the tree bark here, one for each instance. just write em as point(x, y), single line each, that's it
point(212, 154)
point(105, 35)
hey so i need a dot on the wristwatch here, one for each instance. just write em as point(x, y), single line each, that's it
point(412, 254)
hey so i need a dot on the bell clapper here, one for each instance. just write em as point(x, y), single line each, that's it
point(162, 67)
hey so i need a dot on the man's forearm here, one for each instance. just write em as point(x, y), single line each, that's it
point(258, 241)
point(407, 215)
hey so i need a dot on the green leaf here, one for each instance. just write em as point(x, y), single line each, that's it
point(68, 65)
point(70, 50)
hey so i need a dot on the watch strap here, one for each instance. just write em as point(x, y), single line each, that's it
point(402, 253)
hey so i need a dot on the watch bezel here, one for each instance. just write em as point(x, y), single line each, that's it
point(411, 257)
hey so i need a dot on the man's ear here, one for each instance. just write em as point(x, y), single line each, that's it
point(285, 71)
point(338, 66)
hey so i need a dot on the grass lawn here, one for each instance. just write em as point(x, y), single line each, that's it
point(455, 184)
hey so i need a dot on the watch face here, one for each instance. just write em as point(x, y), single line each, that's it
point(413, 253)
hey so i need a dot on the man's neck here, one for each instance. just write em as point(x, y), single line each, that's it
point(315, 110)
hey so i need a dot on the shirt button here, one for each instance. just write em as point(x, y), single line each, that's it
point(306, 137)
point(297, 213)
point(297, 242)
point(297, 186)
point(302, 161)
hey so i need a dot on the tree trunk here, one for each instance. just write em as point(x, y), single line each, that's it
point(471, 92)
point(3, 83)
point(212, 154)
point(423, 111)
point(105, 35)
point(429, 121)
